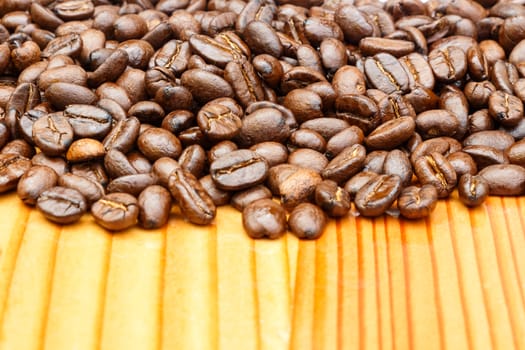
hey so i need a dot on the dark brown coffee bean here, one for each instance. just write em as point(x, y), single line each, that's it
point(274, 152)
point(132, 184)
point(334, 200)
point(92, 170)
point(345, 164)
point(193, 159)
point(123, 135)
point(218, 196)
point(241, 199)
point(516, 153)
point(25, 55)
point(444, 145)
point(377, 196)
point(333, 54)
point(74, 10)
point(69, 45)
point(448, 64)
point(305, 138)
point(19, 147)
point(498, 139)
point(478, 93)
point(397, 163)
point(139, 52)
point(158, 34)
point(91, 190)
point(357, 181)
point(504, 179)
point(435, 123)
point(155, 143)
point(355, 24)
point(69, 73)
point(391, 134)
point(345, 138)
point(24, 98)
point(154, 204)
point(162, 169)
point(473, 190)
point(211, 50)
point(308, 158)
point(349, 80)
point(486, 155)
point(299, 77)
point(12, 167)
point(194, 202)
point(293, 184)
point(265, 124)
point(53, 134)
point(110, 69)
point(394, 106)
point(436, 170)
point(261, 38)
point(206, 86)
point(417, 202)
point(116, 211)
point(264, 218)
point(84, 150)
point(58, 164)
point(117, 164)
point(62, 205)
point(462, 163)
point(35, 181)
point(386, 73)
point(129, 26)
point(268, 68)
point(245, 81)
point(358, 110)
point(64, 94)
point(504, 75)
point(88, 121)
point(220, 120)
point(506, 109)
point(239, 170)
point(307, 221)
point(371, 46)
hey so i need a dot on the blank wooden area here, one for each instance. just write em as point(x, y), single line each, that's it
point(455, 281)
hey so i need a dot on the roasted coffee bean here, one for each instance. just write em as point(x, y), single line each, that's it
point(371, 46)
point(334, 200)
point(504, 75)
point(506, 109)
point(155, 143)
point(61, 205)
point(241, 199)
point(88, 121)
point(418, 71)
point(293, 184)
point(397, 163)
point(239, 170)
point(245, 82)
point(391, 134)
point(116, 211)
point(19, 147)
point(206, 86)
point(386, 73)
point(357, 181)
point(36, 180)
point(12, 167)
point(24, 98)
point(58, 164)
point(123, 135)
point(261, 38)
point(453, 100)
point(377, 195)
point(68, 44)
point(345, 164)
point(307, 221)
point(305, 138)
point(162, 169)
point(69, 73)
point(194, 202)
point(394, 106)
point(84, 150)
point(504, 179)
point(472, 190)
point(211, 50)
point(485, 155)
point(265, 124)
point(462, 163)
point(154, 204)
point(91, 190)
point(436, 170)
point(349, 80)
point(268, 68)
point(358, 110)
point(436, 122)
point(516, 153)
point(478, 93)
point(274, 152)
point(63, 94)
point(345, 138)
point(112, 67)
point(218, 196)
point(264, 218)
point(493, 138)
point(417, 202)
point(448, 64)
point(53, 134)
point(444, 145)
point(193, 159)
point(220, 119)
point(355, 24)
point(308, 158)
point(304, 104)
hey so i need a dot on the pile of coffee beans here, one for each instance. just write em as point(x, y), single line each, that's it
point(291, 111)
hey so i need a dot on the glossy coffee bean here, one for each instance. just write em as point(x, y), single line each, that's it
point(116, 211)
point(334, 200)
point(194, 202)
point(154, 204)
point(377, 195)
point(504, 179)
point(264, 218)
point(345, 164)
point(155, 143)
point(35, 181)
point(307, 221)
point(61, 205)
point(53, 134)
point(417, 202)
point(436, 170)
point(218, 196)
point(473, 190)
point(239, 170)
point(90, 189)
point(241, 199)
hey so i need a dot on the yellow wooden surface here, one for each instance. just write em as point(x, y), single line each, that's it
point(455, 281)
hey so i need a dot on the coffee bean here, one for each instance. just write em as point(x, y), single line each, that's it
point(334, 200)
point(155, 143)
point(505, 109)
point(218, 196)
point(53, 134)
point(265, 124)
point(345, 164)
point(386, 73)
point(391, 134)
point(436, 122)
point(116, 211)
point(264, 218)
point(462, 163)
point(504, 179)
point(193, 200)
point(61, 205)
point(472, 190)
point(485, 155)
point(239, 170)
point(377, 195)
point(84, 150)
point(90, 189)
point(132, 184)
point(35, 181)
point(307, 221)
point(205, 86)
point(241, 199)
point(448, 64)
point(436, 170)
point(308, 158)
point(64, 94)
point(220, 120)
point(417, 202)
point(92, 170)
point(154, 204)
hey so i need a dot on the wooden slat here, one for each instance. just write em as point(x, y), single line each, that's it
point(454, 281)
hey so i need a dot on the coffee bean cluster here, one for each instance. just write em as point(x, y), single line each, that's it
point(125, 109)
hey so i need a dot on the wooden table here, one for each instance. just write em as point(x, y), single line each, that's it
point(456, 281)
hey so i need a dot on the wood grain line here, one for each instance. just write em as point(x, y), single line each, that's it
point(255, 291)
point(104, 293)
point(162, 277)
